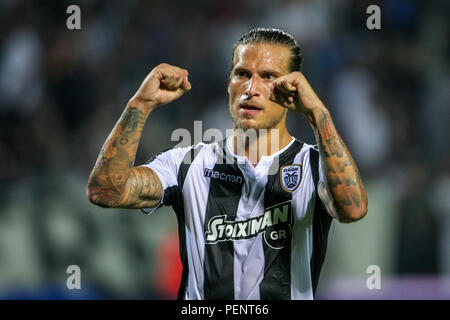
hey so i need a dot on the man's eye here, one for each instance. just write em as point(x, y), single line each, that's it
point(241, 74)
point(269, 76)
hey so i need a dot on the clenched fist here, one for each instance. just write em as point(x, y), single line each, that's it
point(165, 83)
point(293, 91)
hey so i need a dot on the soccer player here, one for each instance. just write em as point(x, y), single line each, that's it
point(251, 225)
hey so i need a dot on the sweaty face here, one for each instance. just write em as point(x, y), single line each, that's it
point(256, 65)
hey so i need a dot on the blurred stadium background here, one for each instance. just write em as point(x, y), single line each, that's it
point(61, 92)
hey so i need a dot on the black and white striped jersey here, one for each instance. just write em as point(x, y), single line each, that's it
point(246, 232)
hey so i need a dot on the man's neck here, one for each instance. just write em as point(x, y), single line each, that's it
point(254, 144)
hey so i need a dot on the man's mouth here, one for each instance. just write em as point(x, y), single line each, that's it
point(247, 108)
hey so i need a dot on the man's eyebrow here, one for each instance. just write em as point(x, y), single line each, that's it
point(266, 71)
point(241, 69)
point(277, 73)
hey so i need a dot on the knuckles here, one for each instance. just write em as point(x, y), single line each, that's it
point(171, 70)
point(289, 77)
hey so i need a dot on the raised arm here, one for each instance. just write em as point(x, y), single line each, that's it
point(114, 181)
point(343, 193)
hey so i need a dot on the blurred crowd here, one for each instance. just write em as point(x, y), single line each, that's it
point(61, 91)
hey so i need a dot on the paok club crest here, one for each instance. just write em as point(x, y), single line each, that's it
point(290, 177)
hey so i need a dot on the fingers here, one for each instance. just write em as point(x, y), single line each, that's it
point(173, 77)
point(285, 91)
point(285, 85)
point(186, 85)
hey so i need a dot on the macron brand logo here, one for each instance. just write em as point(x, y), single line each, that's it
point(276, 224)
point(210, 173)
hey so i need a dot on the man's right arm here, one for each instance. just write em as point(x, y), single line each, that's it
point(114, 181)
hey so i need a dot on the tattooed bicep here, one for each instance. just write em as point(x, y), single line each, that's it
point(143, 189)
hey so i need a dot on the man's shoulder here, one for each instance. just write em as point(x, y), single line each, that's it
point(302, 147)
point(306, 146)
point(211, 146)
point(180, 151)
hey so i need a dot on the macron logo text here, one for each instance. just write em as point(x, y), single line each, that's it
point(209, 173)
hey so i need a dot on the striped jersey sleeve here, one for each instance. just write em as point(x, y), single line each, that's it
point(166, 166)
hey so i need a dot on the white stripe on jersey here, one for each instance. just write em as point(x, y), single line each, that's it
point(195, 196)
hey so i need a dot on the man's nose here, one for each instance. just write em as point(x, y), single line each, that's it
point(253, 87)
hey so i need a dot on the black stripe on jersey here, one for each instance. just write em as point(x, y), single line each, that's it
point(321, 225)
point(178, 207)
point(276, 283)
point(223, 199)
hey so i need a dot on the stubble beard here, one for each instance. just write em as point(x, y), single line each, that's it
point(267, 124)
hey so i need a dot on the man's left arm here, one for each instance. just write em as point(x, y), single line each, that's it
point(343, 192)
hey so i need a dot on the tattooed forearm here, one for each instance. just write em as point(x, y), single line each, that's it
point(108, 183)
point(341, 173)
point(334, 182)
point(130, 124)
